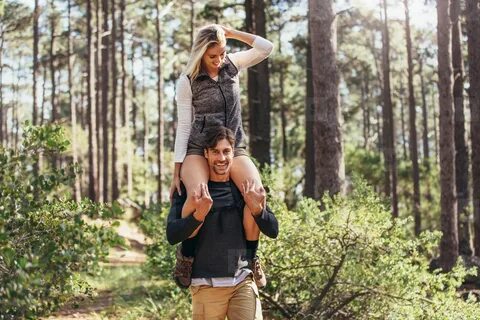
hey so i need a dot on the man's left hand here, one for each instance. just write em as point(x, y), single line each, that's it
point(254, 197)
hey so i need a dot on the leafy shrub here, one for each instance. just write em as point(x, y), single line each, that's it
point(44, 236)
point(352, 261)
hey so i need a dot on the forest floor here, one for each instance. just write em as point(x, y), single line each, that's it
point(120, 285)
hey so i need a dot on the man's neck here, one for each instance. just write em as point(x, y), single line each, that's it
point(219, 178)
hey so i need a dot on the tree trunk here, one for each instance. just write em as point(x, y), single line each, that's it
point(449, 241)
point(309, 190)
point(283, 108)
point(127, 167)
point(44, 95)
point(36, 14)
point(329, 164)
point(435, 127)
point(52, 63)
point(258, 88)
point(146, 133)
point(473, 33)
point(114, 173)
point(2, 107)
point(73, 113)
point(412, 128)
point(388, 125)
point(426, 149)
point(105, 80)
point(461, 153)
point(402, 122)
point(92, 142)
point(160, 124)
point(98, 93)
point(134, 98)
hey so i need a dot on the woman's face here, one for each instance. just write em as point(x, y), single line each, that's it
point(213, 58)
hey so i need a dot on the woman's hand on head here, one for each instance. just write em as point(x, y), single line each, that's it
point(228, 31)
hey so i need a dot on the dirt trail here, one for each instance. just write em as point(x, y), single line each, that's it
point(91, 308)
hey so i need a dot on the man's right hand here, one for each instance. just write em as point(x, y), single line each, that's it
point(203, 202)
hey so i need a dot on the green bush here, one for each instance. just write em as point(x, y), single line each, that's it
point(349, 261)
point(44, 237)
point(352, 261)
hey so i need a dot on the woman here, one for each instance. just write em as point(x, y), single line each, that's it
point(208, 95)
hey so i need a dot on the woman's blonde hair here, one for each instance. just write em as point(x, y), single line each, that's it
point(207, 37)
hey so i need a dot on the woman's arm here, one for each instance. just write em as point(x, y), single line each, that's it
point(261, 48)
point(183, 97)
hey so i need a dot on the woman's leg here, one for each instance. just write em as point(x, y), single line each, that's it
point(194, 171)
point(243, 169)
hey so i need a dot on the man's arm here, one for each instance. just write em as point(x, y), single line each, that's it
point(267, 222)
point(179, 229)
point(255, 201)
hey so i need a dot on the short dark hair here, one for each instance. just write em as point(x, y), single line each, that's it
point(214, 135)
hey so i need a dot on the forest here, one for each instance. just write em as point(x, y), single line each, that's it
point(364, 121)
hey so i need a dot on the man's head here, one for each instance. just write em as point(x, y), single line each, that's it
point(219, 150)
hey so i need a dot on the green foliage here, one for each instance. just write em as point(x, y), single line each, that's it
point(45, 237)
point(160, 263)
point(352, 261)
point(349, 261)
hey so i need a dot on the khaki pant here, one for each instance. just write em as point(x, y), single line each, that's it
point(237, 303)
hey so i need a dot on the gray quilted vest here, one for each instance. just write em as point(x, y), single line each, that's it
point(217, 103)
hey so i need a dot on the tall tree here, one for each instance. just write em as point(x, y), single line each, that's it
point(114, 174)
point(105, 80)
point(329, 164)
point(258, 88)
point(53, 23)
point(412, 125)
point(98, 93)
point(92, 142)
point(309, 190)
point(388, 125)
point(160, 124)
point(426, 148)
point(449, 241)
point(73, 113)
point(461, 153)
point(36, 14)
point(473, 33)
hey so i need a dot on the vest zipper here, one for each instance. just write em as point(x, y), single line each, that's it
point(225, 104)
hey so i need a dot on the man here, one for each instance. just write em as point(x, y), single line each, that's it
point(222, 283)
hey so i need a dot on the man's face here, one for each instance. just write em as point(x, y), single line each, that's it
point(220, 157)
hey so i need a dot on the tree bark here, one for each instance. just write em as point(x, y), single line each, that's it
point(52, 63)
point(2, 107)
point(388, 124)
point(258, 88)
point(91, 123)
point(160, 123)
point(73, 113)
point(402, 122)
point(309, 190)
point(105, 81)
point(114, 173)
point(412, 127)
point(449, 241)
point(426, 148)
point(461, 152)
point(127, 167)
point(329, 164)
point(473, 33)
point(98, 93)
point(36, 14)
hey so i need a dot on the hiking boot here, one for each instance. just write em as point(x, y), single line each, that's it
point(258, 274)
point(183, 269)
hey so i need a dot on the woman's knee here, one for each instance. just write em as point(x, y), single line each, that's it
point(243, 169)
